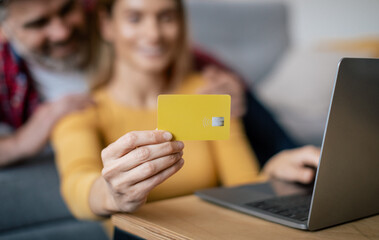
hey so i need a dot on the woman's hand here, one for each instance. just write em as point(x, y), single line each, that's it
point(295, 165)
point(135, 164)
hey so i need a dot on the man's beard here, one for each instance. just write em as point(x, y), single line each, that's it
point(77, 60)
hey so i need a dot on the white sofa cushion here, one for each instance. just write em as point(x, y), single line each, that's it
point(298, 92)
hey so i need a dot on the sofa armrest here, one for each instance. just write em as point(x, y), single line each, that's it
point(30, 194)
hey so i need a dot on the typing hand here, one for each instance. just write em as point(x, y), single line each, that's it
point(296, 165)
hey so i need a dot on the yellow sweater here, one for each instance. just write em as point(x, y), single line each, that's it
point(79, 138)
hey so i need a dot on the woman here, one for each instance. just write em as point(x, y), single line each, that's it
point(149, 45)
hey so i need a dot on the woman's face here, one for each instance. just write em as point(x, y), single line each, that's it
point(144, 33)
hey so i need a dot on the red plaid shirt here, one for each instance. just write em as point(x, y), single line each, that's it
point(18, 97)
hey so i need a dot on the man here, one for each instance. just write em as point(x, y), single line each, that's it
point(45, 41)
point(45, 56)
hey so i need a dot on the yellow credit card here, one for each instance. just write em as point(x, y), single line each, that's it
point(195, 117)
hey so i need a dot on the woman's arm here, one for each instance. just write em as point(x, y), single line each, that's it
point(77, 146)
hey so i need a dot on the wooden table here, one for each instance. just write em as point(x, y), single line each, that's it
point(192, 218)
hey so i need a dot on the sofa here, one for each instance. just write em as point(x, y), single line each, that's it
point(32, 208)
point(250, 36)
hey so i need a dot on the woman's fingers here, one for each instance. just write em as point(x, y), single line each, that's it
point(296, 165)
point(149, 184)
point(308, 156)
point(132, 197)
point(146, 170)
point(139, 156)
point(147, 153)
point(132, 140)
point(294, 173)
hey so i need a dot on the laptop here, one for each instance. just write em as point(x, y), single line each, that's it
point(346, 186)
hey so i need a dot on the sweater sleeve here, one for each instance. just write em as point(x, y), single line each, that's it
point(235, 160)
point(78, 158)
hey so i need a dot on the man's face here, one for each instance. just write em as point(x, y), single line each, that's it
point(52, 33)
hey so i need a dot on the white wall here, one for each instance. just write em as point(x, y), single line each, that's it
point(315, 21)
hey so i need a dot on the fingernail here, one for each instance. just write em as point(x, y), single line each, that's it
point(181, 161)
point(167, 136)
point(180, 144)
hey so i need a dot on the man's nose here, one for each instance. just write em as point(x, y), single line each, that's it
point(58, 30)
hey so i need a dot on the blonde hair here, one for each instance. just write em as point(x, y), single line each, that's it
point(177, 71)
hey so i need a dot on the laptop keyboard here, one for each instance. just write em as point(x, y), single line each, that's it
point(293, 206)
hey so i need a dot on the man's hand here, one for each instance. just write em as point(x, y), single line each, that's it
point(134, 165)
point(31, 137)
point(219, 81)
point(296, 165)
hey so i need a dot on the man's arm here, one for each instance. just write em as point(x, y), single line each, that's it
point(8, 153)
point(219, 81)
point(30, 138)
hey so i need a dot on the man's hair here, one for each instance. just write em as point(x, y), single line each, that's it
point(3, 9)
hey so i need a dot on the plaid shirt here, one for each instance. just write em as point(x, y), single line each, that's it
point(18, 97)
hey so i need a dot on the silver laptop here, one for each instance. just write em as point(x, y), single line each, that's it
point(347, 179)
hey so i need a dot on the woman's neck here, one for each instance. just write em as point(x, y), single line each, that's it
point(135, 88)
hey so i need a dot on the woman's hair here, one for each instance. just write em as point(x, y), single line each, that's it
point(178, 69)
